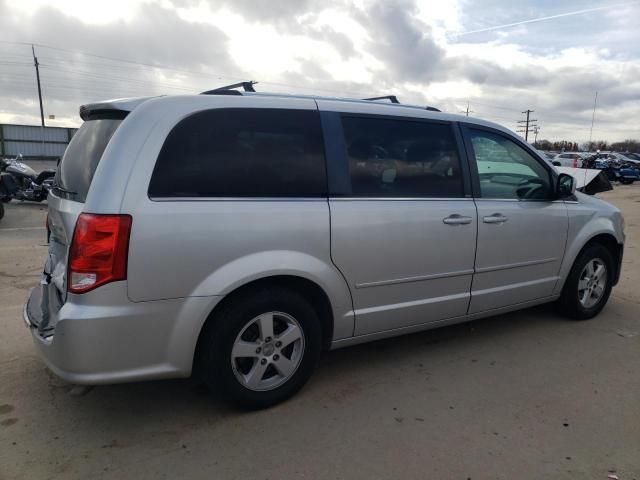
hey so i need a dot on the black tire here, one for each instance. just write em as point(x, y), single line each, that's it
point(222, 330)
point(626, 181)
point(1, 211)
point(569, 302)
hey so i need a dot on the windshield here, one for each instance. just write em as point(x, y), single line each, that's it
point(82, 156)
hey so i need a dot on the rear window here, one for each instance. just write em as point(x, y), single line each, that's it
point(242, 152)
point(82, 156)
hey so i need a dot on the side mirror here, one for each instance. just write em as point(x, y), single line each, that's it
point(566, 186)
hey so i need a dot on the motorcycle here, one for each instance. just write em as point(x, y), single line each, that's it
point(20, 182)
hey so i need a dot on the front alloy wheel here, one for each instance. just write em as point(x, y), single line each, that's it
point(592, 283)
point(588, 285)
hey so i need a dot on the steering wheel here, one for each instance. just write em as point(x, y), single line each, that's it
point(533, 186)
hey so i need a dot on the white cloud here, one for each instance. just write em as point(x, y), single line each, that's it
point(338, 47)
point(88, 11)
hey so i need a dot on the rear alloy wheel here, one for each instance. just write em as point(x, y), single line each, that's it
point(267, 351)
point(261, 348)
point(589, 283)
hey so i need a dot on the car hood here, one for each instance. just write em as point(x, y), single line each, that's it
point(588, 180)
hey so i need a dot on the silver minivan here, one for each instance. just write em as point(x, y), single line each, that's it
point(238, 235)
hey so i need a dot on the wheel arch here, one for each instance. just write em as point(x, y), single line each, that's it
point(606, 239)
point(309, 289)
point(609, 241)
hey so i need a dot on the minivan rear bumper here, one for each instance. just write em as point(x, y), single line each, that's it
point(101, 337)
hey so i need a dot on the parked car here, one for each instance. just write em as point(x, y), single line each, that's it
point(548, 155)
point(238, 235)
point(615, 172)
point(569, 159)
point(620, 157)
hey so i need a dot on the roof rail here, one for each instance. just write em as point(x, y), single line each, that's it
point(391, 98)
point(230, 89)
point(394, 99)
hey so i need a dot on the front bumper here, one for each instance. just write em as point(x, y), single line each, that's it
point(101, 337)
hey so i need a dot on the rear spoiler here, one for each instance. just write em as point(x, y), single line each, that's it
point(118, 108)
point(102, 114)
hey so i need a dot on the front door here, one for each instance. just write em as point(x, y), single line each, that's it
point(404, 234)
point(522, 232)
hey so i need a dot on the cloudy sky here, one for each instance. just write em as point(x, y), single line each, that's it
point(501, 56)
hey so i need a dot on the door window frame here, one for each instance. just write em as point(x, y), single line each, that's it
point(473, 166)
point(337, 162)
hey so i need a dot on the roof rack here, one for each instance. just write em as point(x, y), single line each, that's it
point(248, 87)
point(394, 99)
point(391, 98)
point(230, 89)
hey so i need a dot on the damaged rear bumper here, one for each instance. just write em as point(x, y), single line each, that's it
point(102, 337)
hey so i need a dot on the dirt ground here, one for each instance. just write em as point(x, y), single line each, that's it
point(527, 395)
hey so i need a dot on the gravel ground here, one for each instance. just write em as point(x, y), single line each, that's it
point(527, 395)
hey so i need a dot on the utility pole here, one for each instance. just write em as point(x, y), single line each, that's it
point(467, 111)
point(528, 127)
point(536, 129)
point(37, 65)
point(593, 117)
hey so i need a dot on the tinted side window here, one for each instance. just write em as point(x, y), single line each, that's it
point(242, 152)
point(507, 170)
point(402, 158)
point(82, 156)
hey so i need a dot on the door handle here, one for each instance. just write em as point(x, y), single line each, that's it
point(495, 218)
point(456, 219)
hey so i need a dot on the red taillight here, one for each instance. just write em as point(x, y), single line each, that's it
point(98, 252)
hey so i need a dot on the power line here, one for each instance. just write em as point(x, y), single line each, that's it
point(189, 72)
point(104, 57)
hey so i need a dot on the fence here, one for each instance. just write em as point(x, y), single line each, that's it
point(33, 141)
